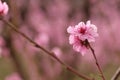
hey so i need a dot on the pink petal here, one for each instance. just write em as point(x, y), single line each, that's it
point(92, 31)
point(84, 50)
point(5, 8)
point(82, 37)
point(81, 24)
point(71, 39)
point(94, 28)
point(1, 6)
point(70, 30)
point(91, 39)
point(77, 47)
point(88, 23)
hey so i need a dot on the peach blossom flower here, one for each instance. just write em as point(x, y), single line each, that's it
point(3, 8)
point(80, 33)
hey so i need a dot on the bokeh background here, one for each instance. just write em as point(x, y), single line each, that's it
point(46, 21)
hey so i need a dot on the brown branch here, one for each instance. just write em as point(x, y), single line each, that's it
point(116, 75)
point(96, 61)
point(46, 51)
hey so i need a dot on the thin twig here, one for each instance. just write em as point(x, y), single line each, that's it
point(96, 61)
point(116, 75)
point(46, 51)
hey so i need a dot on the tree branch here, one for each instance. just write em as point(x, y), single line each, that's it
point(46, 51)
point(116, 75)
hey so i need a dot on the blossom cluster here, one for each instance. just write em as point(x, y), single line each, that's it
point(81, 33)
point(3, 8)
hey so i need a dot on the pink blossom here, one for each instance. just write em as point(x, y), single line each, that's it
point(80, 33)
point(57, 51)
point(14, 76)
point(0, 51)
point(3, 8)
point(42, 39)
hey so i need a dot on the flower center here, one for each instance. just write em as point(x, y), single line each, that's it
point(82, 30)
point(83, 43)
point(1, 12)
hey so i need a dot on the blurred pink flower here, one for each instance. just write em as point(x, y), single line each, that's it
point(3, 8)
point(42, 39)
point(13, 76)
point(0, 51)
point(57, 51)
point(2, 43)
point(80, 33)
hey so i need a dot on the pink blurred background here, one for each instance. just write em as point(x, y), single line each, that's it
point(46, 21)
